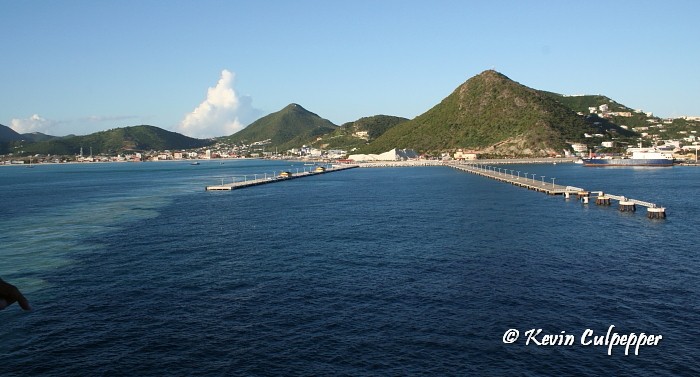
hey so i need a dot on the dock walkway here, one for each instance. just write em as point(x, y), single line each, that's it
point(272, 178)
point(530, 182)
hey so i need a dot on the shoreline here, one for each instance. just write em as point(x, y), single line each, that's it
point(495, 161)
point(362, 164)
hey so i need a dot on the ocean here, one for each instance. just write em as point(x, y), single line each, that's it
point(135, 269)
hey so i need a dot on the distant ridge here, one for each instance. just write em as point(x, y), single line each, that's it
point(118, 140)
point(288, 128)
point(358, 133)
point(494, 114)
point(8, 134)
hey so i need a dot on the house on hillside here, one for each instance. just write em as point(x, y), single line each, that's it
point(578, 147)
point(361, 134)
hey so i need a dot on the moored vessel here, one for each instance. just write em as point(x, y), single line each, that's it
point(640, 157)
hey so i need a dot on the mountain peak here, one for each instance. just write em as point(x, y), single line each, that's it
point(492, 73)
point(492, 113)
point(289, 127)
point(294, 107)
point(490, 77)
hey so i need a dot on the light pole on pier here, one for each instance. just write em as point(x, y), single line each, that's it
point(499, 171)
point(518, 174)
point(552, 182)
point(511, 173)
point(542, 179)
point(533, 178)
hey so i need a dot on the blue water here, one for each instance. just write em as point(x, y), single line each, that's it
point(133, 269)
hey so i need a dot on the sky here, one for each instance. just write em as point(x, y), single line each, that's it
point(209, 68)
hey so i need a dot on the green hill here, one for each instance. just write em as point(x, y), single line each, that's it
point(351, 135)
point(38, 136)
point(118, 140)
point(288, 128)
point(8, 137)
point(581, 104)
point(8, 134)
point(496, 115)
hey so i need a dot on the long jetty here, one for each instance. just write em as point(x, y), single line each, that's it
point(508, 176)
point(266, 178)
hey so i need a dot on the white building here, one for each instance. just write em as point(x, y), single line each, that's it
point(392, 155)
point(361, 134)
point(336, 153)
point(578, 147)
point(465, 155)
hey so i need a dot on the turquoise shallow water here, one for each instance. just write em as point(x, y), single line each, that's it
point(135, 269)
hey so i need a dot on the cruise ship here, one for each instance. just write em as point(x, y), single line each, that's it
point(640, 157)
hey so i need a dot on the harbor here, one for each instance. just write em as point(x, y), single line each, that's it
point(239, 182)
point(530, 181)
point(527, 180)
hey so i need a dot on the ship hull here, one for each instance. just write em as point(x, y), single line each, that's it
point(602, 162)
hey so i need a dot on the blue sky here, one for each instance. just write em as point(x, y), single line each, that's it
point(207, 68)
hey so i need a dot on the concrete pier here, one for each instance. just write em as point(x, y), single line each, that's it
point(272, 178)
point(530, 182)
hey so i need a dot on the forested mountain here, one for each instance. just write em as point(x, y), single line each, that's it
point(118, 140)
point(358, 133)
point(494, 114)
point(288, 128)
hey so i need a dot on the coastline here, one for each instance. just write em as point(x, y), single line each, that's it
point(495, 161)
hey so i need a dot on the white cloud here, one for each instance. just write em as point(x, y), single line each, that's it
point(34, 123)
point(222, 113)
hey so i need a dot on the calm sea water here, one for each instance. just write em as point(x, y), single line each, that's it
point(133, 269)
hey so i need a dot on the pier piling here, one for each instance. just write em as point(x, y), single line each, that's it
point(626, 206)
point(602, 200)
point(656, 213)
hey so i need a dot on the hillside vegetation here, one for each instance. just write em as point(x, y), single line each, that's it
point(118, 140)
point(350, 135)
point(494, 114)
point(288, 128)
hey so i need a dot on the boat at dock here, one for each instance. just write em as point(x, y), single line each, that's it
point(639, 157)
